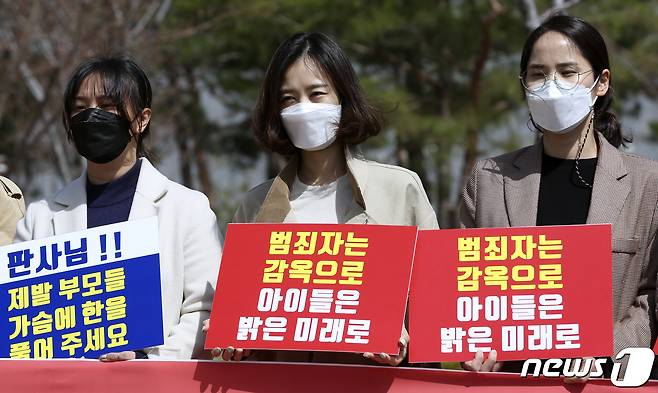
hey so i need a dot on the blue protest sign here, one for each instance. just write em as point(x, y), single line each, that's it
point(82, 294)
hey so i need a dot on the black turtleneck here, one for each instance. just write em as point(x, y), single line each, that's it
point(564, 198)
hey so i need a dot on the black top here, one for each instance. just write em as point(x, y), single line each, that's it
point(110, 203)
point(563, 197)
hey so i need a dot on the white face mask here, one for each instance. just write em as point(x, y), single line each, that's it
point(311, 126)
point(558, 111)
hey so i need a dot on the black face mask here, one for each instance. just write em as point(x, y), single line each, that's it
point(100, 136)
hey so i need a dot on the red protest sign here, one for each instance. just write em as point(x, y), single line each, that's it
point(530, 292)
point(316, 287)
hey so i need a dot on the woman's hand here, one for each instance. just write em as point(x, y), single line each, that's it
point(228, 353)
point(478, 364)
point(384, 358)
point(231, 354)
point(118, 356)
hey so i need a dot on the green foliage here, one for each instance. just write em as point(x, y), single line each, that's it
point(420, 61)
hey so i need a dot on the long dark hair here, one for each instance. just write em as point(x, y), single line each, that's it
point(125, 85)
point(591, 44)
point(359, 119)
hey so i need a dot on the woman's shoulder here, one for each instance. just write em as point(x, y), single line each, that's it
point(392, 175)
point(11, 196)
point(504, 160)
point(10, 186)
point(40, 211)
point(643, 170)
point(157, 185)
point(639, 163)
point(256, 195)
point(186, 198)
point(259, 192)
point(252, 201)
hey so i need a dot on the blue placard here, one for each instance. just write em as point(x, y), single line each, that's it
point(82, 294)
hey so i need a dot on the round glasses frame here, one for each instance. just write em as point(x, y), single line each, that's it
point(561, 84)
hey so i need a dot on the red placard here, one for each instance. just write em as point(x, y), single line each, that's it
point(528, 292)
point(318, 287)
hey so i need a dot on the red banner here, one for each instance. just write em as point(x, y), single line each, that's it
point(532, 292)
point(312, 287)
point(80, 376)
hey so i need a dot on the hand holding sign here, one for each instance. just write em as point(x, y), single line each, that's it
point(392, 360)
point(118, 356)
point(228, 353)
point(479, 364)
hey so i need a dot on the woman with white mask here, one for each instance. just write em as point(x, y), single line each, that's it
point(575, 173)
point(313, 111)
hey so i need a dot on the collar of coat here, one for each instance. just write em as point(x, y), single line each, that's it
point(276, 205)
point(610, 189)
point(151, 184)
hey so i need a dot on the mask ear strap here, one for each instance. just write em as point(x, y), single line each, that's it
point(596, 96)
point(596, 82)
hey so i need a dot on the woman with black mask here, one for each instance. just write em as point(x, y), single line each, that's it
point(107, 113)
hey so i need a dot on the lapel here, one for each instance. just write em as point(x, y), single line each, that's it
point(522, 186)
point(151, 186)
point(611, 185)
point(357, 170)
point(73, 199)
point(276, 205)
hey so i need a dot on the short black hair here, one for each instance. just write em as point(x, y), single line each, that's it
point(592, 46)
point(359, 119)
point(124, 84)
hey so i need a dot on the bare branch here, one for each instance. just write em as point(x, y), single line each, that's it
point(32, 82)
point(162, 11)
point(532, 17)
point(144, 20)
point(118, 14)
point(558, 6)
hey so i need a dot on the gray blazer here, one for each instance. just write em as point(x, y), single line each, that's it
point(503, 192)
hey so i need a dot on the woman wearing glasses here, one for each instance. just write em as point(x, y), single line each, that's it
point(575, 173)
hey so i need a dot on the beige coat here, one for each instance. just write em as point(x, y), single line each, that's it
point(384, 194)
point(503, 192)
point(190, 249)
point(12, 209)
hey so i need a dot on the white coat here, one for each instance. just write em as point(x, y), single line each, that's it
point(190, 249)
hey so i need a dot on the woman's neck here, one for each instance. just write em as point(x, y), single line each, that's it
point(322, 166)
point(105, 173)
point(566, 146)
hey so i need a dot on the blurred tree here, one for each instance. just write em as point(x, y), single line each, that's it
point(40, 43)
point(444, 72)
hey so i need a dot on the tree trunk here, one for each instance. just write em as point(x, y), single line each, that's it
point(473, 130)
point(203, 173)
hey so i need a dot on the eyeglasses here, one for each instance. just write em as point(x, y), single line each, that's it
point(537, 80)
